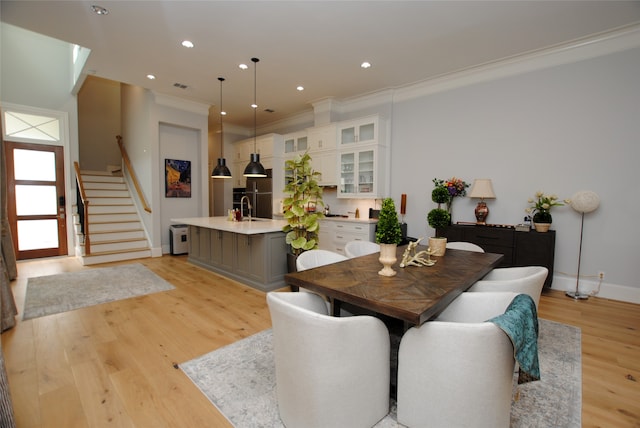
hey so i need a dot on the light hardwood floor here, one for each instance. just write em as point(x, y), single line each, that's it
point(114, 364)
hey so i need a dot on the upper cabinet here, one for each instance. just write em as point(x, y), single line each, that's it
point(322, 138)
point(362, 161)
point(296, 143)
point(269, 146)
point(361, 131)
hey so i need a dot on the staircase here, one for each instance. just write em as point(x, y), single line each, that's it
point(115, 229)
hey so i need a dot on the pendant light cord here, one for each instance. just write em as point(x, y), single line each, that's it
point(221, 79)
point(255, 101)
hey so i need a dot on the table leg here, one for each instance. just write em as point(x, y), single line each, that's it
point(335, 307)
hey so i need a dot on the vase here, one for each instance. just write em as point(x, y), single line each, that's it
point(387, 258)
point(438, 246)
point(542, 227)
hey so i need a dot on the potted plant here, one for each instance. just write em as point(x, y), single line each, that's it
point(541, 210)
point(302, 207)
point(388, 235)
point(439, 218)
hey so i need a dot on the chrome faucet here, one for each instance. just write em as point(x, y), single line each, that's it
point(248, 205)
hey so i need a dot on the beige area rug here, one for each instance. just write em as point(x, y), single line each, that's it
point(239, 380)
point(53, 294)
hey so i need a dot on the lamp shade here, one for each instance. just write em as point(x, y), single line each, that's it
point(255, 168)
point(585, 201)
point(221, 170)
point(482, 189)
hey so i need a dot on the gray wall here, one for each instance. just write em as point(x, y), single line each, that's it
point(563, 129)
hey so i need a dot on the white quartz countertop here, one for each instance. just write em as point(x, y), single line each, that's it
point(245, 227)
point(338, 218)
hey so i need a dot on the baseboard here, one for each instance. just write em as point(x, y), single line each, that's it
point(589, 286)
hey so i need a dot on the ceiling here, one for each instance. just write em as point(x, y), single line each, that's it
point(317, 44)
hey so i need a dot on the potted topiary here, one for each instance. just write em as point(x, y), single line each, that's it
point(439, 218)
point(302, 207)
point(388, 235)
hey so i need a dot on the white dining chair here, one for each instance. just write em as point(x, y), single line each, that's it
point(457, 371)
point(330, 372)
point(467, 246)
point(314, 258)
point(360, 248)
point(527, 279)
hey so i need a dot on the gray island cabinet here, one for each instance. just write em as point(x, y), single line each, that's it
point(253, 253)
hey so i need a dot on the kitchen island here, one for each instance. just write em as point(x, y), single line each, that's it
point(251, 252)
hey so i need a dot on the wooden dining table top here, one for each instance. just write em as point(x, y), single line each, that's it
point(414, 295)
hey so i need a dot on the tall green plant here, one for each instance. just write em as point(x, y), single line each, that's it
point(302, 205)
point(439, 218)
point(388, 231)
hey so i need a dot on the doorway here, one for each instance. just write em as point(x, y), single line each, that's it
point(36, 199)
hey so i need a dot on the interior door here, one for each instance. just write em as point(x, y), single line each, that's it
point(36, 199)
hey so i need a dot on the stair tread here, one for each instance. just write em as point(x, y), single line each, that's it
point(128, 250)
point(117, 241)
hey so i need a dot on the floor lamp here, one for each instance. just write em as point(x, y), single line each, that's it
point(583, 202)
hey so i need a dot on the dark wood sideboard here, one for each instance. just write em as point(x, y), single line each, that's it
point(519, 248)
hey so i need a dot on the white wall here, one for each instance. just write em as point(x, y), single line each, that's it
point(182, 144)
point(563, 129)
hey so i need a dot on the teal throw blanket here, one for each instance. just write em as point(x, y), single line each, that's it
point(520, 323)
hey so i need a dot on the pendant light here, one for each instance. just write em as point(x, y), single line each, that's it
point(255, 168)
point(221, 170)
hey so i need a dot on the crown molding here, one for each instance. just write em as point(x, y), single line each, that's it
point(578, 50)
point(181, 104)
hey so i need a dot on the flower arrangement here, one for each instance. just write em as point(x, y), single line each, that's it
point(455, 186)
point(541, 206)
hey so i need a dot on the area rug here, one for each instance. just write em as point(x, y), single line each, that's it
point(53, 294)
point(239, 380)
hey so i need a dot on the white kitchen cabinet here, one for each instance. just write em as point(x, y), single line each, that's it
point(296, 142)
point(269, 146)
point(361, 173)
point(360, 131)
point(334, 234)
point(325, 163)
point(322, 138)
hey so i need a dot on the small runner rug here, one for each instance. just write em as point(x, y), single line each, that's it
point(53, 294)
point(239, 380)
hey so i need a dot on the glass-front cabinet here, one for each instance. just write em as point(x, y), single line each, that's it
point(360, 131)
point(358, 174)
point(297, 142)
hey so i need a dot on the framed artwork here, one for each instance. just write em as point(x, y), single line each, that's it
point(177, 178)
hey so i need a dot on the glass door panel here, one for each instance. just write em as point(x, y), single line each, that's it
point(365, 171)
point(37, 234)
point(367, 132)
point(347, 173)
point(348, 135)
point(36, 200)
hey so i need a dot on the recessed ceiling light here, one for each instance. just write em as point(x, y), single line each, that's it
point(151, 76)
point(254, 105)
point(187, 44)
point(223, 113)
point(243, 66)
point(99, 10)
point(300, 88)
point(365, 64)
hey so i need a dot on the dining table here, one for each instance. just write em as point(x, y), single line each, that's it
point(414, 295)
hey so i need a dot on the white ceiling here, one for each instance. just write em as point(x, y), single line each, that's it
point(317, 44)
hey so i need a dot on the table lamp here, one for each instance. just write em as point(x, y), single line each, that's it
point(482, 189)
point(583, 202)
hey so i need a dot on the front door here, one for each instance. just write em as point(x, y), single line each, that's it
point(36, 199)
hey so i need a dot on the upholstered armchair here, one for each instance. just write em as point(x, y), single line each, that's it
point(330, 371)
point(457, 371)
point(314, 258)
point(360, 248)
point(467, 246)
point(526, 280)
